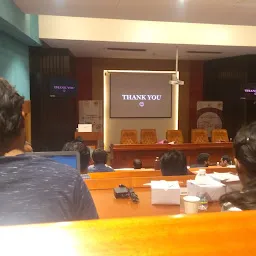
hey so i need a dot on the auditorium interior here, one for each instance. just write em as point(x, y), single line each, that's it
point(138, 80)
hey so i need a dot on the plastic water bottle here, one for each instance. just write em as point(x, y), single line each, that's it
point(201, 177)
point(203, 204)
point(157, 164)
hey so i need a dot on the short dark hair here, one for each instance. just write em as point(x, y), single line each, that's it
point(173, 163)
point(80, 147)
point(137, 164)
point(99, 156)
point(11, 119)
point(226, 158)
point(203, 157)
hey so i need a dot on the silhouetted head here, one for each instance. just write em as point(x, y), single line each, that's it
point(79, 146)
point(203, 159)
point(245, 152)
point(12, 128)
point(99, 156)
point(173, 163)
point(137, 164)
point(225, 160)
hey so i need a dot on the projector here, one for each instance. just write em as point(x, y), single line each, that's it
point(178, 82)
point(175, 80)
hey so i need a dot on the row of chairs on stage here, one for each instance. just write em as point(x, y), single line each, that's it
point(148, 136)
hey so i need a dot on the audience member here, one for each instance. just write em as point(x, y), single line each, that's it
point(34, 189)
point(245, 161)
point(137, 164)
point(79, 145)
point(173, 163)
point(99, 157)
point(202, 160)
point(225, 161)
point(28, 147)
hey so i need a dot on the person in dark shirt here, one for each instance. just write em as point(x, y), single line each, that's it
point(202, 160)
point(225, 161)
point(173, 163)
point(84, 151)
point(34, 189)
point(99, 157)
point(137, 164)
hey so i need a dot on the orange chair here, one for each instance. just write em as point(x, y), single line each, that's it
point(129, 137)
point(220, 135)
point(148, 136)
point(199, 136)
point(175, 135)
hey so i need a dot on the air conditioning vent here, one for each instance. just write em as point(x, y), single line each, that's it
point(203, 52)
point(126, 49)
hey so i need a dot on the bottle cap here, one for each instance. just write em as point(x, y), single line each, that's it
point(201, 171)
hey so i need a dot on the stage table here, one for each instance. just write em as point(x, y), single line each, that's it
point(122, 155)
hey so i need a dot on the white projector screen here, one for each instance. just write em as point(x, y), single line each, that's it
point(147, 95)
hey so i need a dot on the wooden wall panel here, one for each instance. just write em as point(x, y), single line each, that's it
point(83, 74)
point(223, 79)
point(27, 110)
point(53, 119)
point(195, 90)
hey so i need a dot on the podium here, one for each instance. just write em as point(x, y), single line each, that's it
point(91, 139)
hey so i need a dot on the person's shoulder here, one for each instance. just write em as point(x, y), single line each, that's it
point(229, 207)
point(109, 168)
point(91, 168)
point(49, 165)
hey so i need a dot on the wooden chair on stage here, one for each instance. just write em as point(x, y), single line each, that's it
point(174, 135)
point(148, 136)
point(199, 136)
point(220, 135)
point(129, 137)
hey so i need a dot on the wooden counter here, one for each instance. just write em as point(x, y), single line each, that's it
point(207, 234)
point(122, 155)
point(110, 207)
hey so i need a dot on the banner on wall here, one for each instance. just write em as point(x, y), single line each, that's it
point(91, 112)
point(209, 115)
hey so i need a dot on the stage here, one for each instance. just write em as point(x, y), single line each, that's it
point(122, 155)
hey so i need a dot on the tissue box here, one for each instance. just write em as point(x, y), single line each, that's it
point(214, 190)
point(84, 127)
point(165, 192)
point(231, 181)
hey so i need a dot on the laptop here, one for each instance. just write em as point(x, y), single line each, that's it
point(70, 158)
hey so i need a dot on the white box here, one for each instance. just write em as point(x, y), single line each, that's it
point(231, 181)
point(165, 192)
point(84, 127)
point(214, 190)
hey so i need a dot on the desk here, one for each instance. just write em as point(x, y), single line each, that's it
point(123, 174)
point(207, 234)
point(122, 155)
point(109, 207)
point(135, 182)
point(152, 173)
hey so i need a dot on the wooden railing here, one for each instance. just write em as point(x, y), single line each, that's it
point(208, 234)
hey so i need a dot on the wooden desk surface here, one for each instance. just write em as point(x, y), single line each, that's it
point(123, 154)
point(110, 207)
point(151, 172)
point(207, 234)
point(135, 182)
point(183, 146)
